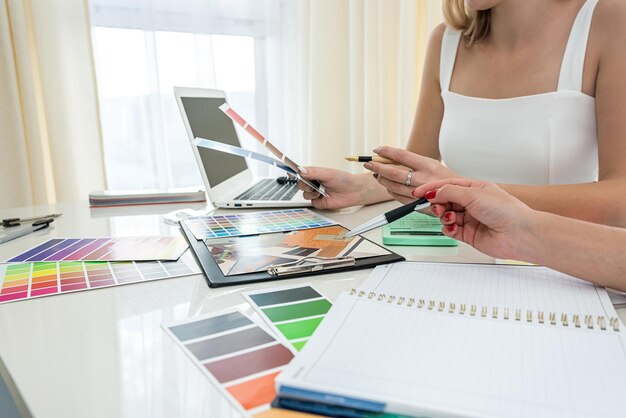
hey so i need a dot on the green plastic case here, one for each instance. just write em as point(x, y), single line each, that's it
point(417, 229)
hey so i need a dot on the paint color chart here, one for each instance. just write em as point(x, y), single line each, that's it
point(240, 357)
point(21, 281)
point(293, 312)
point(106, 249)
point(253, 223)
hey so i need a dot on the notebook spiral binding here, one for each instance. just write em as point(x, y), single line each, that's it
point(484, 311)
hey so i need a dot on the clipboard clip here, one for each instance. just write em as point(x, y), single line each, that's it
point(311, 264)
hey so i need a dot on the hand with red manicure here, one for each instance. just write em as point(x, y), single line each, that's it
point(480, 214)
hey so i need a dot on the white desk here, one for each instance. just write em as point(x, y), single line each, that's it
point(103, 353)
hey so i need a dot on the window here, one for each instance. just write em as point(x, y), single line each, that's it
point(142, 49)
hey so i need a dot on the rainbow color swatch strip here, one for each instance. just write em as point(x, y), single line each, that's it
point(106, 249)
point(293, 312)
point(254, 223)
point(21, 281)
point(237, 355)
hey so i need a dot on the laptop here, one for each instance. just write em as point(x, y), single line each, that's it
point(227, 178)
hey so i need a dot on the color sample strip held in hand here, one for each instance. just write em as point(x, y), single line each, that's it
point(237, 355)
point(293, 312)
point(106, 249)
point(22, 281)
point(254, 223)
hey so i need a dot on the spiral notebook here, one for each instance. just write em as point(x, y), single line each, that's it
point(464, 340)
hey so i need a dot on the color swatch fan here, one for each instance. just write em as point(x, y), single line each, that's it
point(22, 281)
point(254, 223)
point(106, 249)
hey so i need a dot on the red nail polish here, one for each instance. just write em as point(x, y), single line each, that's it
point(431, 194)
point(451, 228)
point(447, 217)
point(434, 210)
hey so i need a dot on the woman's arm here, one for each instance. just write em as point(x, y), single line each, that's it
point(485, 216)
point(591, 252)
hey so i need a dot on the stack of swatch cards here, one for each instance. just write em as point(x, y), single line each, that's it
point(242, 356)
point(77, 264)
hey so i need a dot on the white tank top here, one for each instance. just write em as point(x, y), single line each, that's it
point(548, 138)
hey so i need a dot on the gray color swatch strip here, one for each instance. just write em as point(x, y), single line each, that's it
point(229, 343)
point(284, 296)
point(210, 326)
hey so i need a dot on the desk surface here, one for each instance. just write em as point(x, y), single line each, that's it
point(103, 353)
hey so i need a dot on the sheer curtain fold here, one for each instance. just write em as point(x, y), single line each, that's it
point(357, 77)
point(50, 141)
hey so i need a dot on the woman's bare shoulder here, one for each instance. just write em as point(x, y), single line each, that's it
point(609, 26)
point(433, 52)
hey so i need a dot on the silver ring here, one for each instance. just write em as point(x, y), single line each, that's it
point(409, 176)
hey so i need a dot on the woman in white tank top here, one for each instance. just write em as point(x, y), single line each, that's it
point(530, 94)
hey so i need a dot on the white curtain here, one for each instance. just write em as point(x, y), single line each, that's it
point(332, 78)
point(50, 145)
point(346, 75)
point(143, 48)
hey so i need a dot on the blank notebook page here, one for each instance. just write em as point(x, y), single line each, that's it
point(439, 363)
point(514, 287)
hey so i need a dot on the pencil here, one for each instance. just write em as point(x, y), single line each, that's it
point(368, 158)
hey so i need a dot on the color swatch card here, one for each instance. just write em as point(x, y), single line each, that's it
point(106, 249)
point(293, 312)
point(236, 354)
point(22, 281)
point(253, 223)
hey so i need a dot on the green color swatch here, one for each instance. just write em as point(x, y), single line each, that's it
point(299, 345)
point(299, 310)
point(299, 329)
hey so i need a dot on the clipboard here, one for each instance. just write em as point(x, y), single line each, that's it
point(216, 278)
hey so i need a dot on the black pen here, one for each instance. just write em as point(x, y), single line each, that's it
point(41, 224)
point(388, 217)
point(368, 158)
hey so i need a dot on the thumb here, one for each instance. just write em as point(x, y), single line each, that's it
point(320, 174)
point(459, 195)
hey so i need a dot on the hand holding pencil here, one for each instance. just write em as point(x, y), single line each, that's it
point(407, 171)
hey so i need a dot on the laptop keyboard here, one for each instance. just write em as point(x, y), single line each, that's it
point(269, 189)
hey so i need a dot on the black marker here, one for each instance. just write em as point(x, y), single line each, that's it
point(388, 217)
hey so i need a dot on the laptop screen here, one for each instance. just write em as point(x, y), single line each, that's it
point(206, 120)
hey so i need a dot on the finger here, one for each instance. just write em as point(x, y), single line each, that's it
point(449, 218)
point(320, 174)
point(310, 195)
point(394, 187)
point(455, 195)
point(453, 231)
point(396, 173)
point(402, 156)
point(319, 203)
point(439, 210)
point(303, 186)
point(423, 189)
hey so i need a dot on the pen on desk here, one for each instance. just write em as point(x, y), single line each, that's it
point(388, 217)
point(7, 223)
point(368, 158)
point(44, 223)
